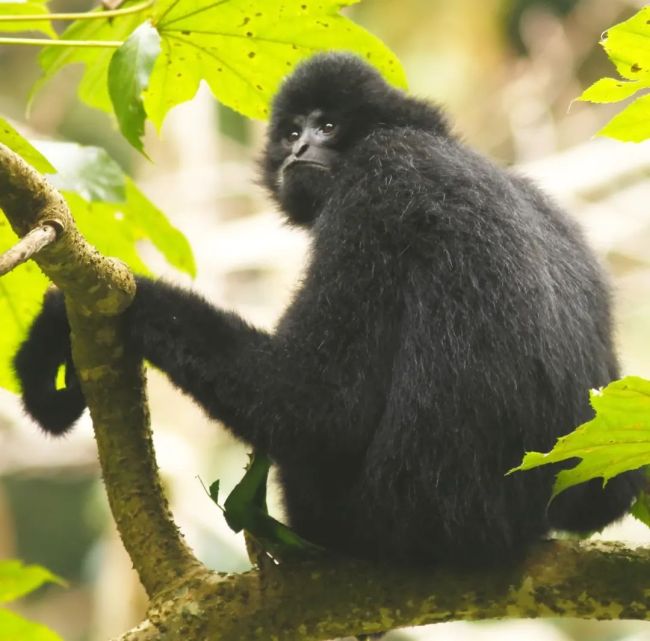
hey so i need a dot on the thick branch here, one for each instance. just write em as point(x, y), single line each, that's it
point(97, 290)
point(325, 599)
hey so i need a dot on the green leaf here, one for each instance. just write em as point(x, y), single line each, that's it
point(93, 88)
point(117, 228)
point(214, 491)
point(21, 295)
point(17, 580)
point(616, 440)
point(632, 124)
point(25, 9)
point(88, 171)
point(111, 212)
point(245, 509)
point(612, 90)
point(105, 226)
point(15, 628)
point(628, 45)
point(10, 137)
point(248, 498)
point(240, 48)
point(154, 226)
point(244, 49)
point(128, 76)
point(641, 508)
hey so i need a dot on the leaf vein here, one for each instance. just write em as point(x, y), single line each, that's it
point(191, 13)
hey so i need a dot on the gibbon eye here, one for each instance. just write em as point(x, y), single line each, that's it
point(293, 135)
point(327, 127)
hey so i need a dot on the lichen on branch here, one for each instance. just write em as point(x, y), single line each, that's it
point(97, 290)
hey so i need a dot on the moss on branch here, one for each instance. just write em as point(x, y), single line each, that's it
point(97, 289)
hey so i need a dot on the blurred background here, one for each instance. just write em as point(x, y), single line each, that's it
point(506, 71)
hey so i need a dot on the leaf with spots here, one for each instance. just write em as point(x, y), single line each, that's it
point(243, 49)
point(612, 90)
point(628, 46)
point(616, 440)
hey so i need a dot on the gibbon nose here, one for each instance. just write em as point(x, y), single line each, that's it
point(300, 148)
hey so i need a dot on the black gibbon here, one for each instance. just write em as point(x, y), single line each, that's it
point(451, 318)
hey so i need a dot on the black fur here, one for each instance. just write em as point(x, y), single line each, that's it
point(37, 363)
point(451, 318)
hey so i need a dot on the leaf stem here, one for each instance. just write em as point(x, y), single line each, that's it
point(84, 15)
point(45, 42)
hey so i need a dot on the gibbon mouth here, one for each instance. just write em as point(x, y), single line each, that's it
point(299, 162)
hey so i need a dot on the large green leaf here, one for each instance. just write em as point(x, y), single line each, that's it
point(128, 77)
point(25, 9)
point(616, 440)
point(17, 580)
point(632, 124)
point(88, 171)
point(116, 229)
point(628, 45)
point(154, 226)
point(15, 628)
point(111, 212)
point(243, 49)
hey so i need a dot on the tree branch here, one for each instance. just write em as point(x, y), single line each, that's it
point(330, 598)
point(97, 290)
point(27, 247)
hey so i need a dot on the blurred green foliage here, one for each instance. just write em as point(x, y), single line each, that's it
point(17, 580)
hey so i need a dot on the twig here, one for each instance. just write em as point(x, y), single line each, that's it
point(45, 42)
point(85, 15)
point(28, 246)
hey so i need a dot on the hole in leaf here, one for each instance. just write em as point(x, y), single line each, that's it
point(60, 377)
